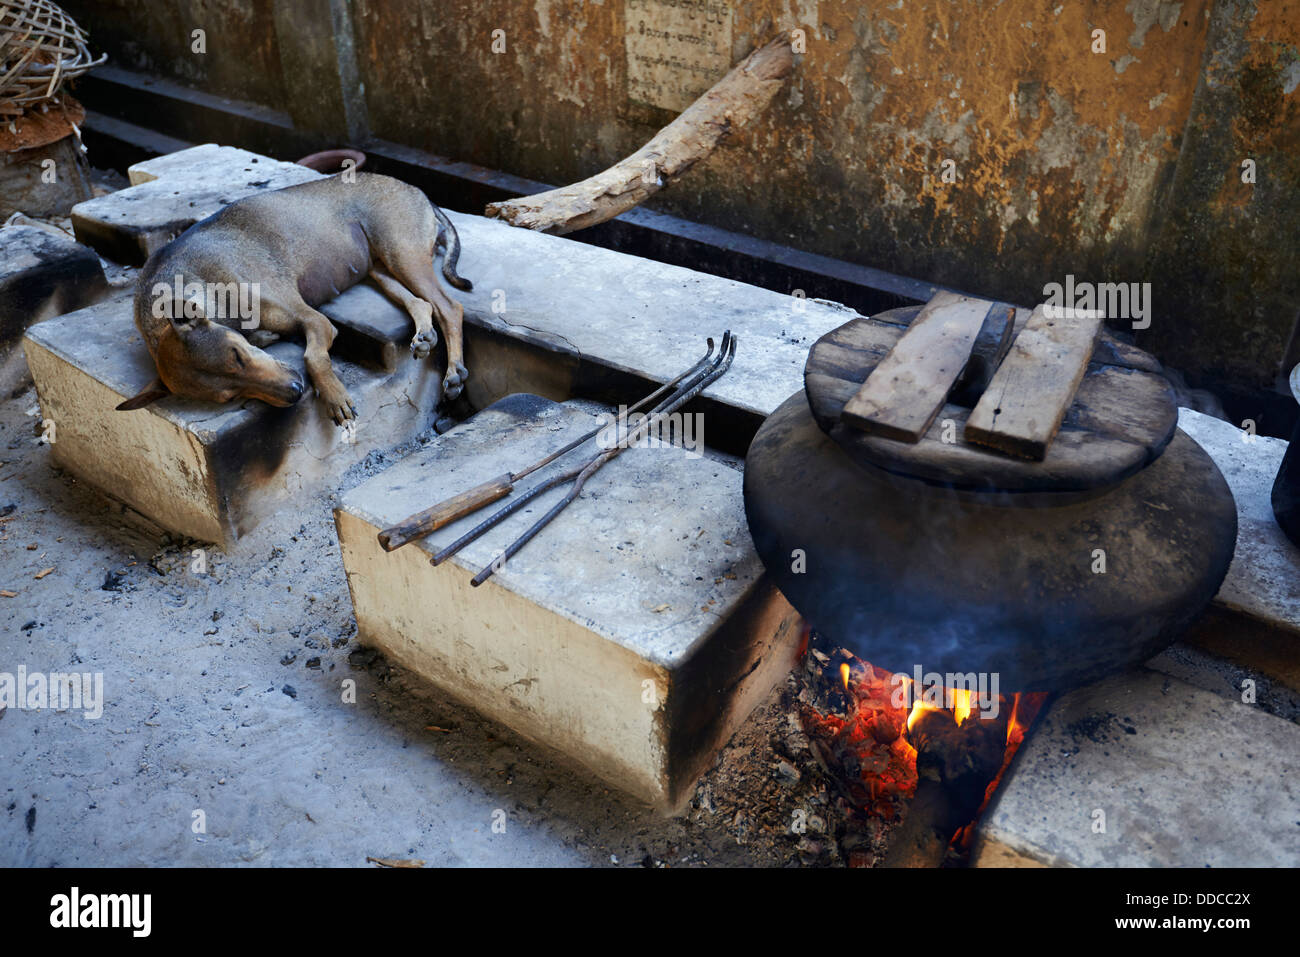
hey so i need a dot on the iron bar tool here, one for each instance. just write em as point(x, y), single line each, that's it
point(581, 473)
point(458, 506)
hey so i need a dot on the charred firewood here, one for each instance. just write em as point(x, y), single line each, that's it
point(954, 767)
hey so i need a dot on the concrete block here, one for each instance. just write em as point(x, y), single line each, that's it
point(42, 274)
point(210, 472)
point(172, 193)
point(1264, 579)
point(634, 634)
point(1254, 621)
point(1127, 748)
point(590, 311)
point(548, 315)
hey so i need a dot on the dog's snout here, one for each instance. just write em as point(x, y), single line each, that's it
point(296, 389)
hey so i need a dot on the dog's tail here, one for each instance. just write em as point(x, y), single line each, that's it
point(449, 240)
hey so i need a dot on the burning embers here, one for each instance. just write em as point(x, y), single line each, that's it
point(889, 738)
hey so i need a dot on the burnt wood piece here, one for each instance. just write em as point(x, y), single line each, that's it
point(905, 391)
point(1026, 400)
point(954, 767)
point(728, 106)
point(991, 347)
point(1123, 416)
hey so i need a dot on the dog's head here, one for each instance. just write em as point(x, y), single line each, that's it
point(206, 360)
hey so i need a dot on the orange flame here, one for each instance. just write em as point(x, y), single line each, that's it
point(960, 704)
point(870, 726)
point(919, 708)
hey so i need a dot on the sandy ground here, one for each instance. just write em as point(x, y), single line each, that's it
point(225, 739)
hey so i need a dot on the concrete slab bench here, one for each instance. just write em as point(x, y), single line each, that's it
point(554, 316)
point(633, 634)
point(171, 193)
point(1264, 579)
point(205, 471)
point(1103, 781)
point(43, 273)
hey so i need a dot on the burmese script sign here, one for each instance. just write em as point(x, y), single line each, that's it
point(676, 49)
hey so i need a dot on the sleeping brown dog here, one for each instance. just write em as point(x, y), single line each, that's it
point(263, 265)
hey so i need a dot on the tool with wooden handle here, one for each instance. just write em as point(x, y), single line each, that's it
point(694, 385)
point(458, 506)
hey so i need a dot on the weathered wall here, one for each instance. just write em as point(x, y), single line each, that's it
point(1120, 166)
point(242, 57)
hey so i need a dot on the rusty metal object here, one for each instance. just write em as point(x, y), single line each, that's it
point(693, 385)
point(458, 506)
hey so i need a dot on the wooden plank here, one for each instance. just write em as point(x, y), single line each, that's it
point(1122, 417)
point(907, 389)
point(1023, 406)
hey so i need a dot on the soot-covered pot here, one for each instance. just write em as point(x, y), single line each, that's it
point(958, 559)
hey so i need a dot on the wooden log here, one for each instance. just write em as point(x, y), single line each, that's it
point(903, 394)
point(1022, 408)
point(954, 767)
point(727, 107)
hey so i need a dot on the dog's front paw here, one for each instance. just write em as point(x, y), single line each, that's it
point(338, 404)
point(423, 343)
point(453, 383)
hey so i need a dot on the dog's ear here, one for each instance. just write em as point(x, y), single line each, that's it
point(154, 391)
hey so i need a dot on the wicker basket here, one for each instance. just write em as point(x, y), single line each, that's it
point(40, 48)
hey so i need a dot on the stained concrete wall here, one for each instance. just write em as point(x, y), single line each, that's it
point(241, 57)
point(1119, 166)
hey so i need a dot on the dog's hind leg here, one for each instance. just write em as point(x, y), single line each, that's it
point(416, 273)
point(425, 338)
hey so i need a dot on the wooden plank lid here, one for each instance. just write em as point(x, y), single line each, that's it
point(1122, 417)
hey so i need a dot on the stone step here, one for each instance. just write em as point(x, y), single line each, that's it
point(43, 273)
point(205, 471)
point(1256, 614)
point(633, 634)
point(171, 193)
point(552, 315)
point(1145, 770)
